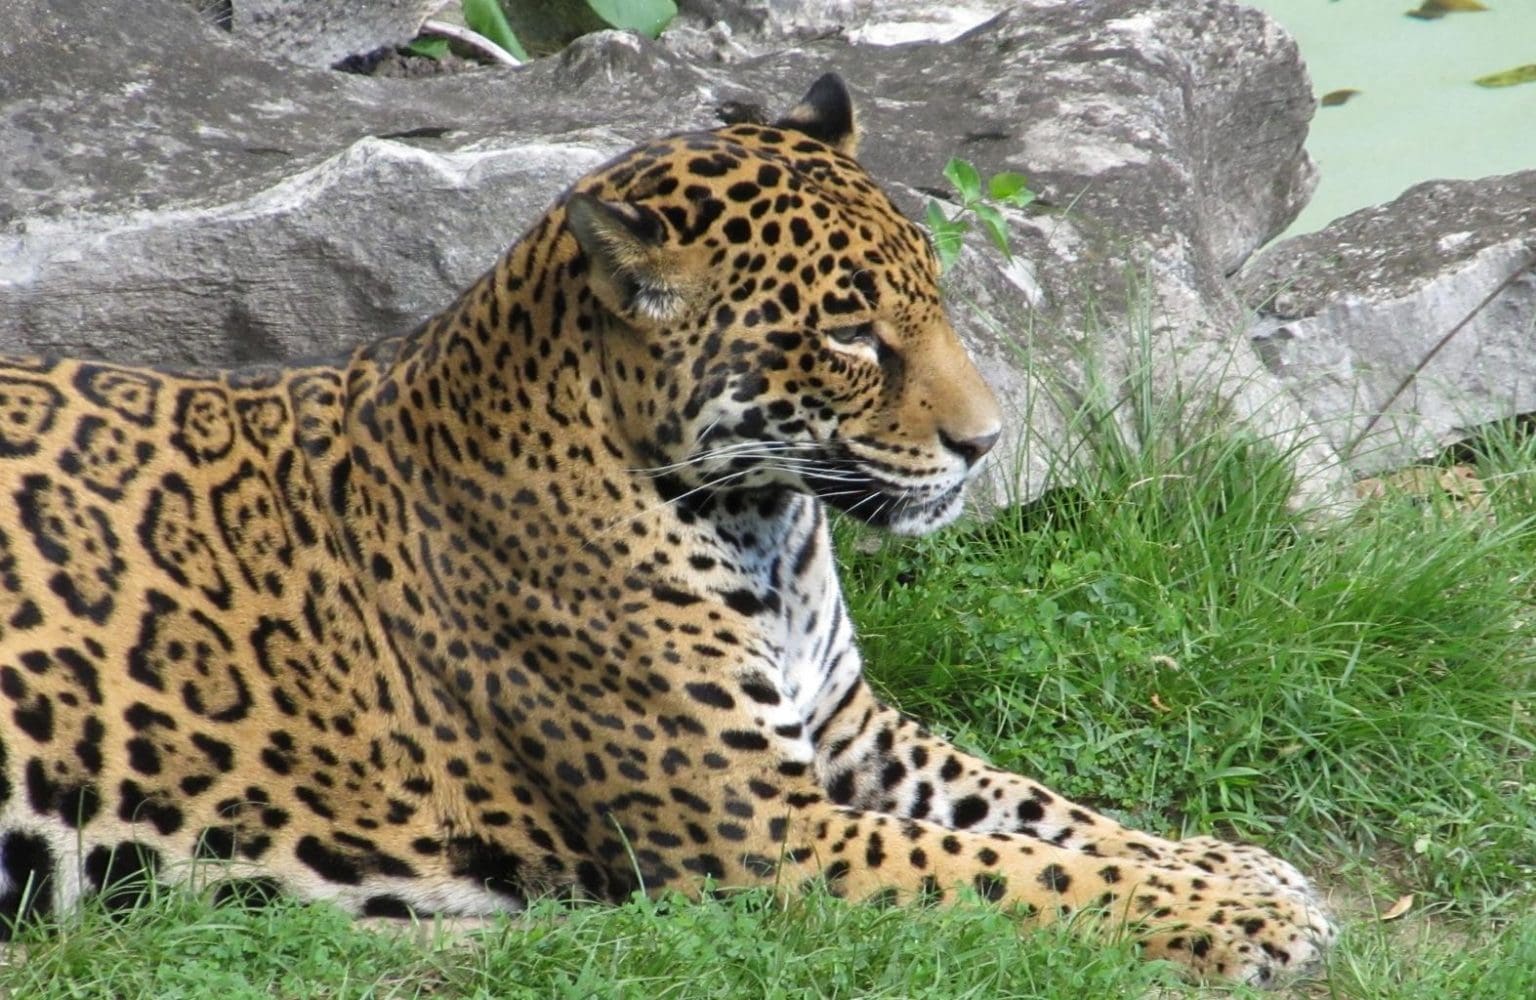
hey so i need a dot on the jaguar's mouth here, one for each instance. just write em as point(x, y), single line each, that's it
point(902, 511)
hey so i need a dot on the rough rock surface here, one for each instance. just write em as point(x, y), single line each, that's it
point(220, 206)
point(324, 32)
point(763, 25)
point(1346, 315)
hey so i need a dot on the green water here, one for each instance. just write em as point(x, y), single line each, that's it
point(1418, 116)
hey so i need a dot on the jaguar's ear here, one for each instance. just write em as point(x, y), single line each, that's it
point(632, 273)
point(826, 113)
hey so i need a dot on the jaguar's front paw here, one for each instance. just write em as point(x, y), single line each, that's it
point(1258, 942)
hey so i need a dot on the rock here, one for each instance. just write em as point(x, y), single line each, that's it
point(764, 25)
point(220, 207)
point(324, 32)
point(1345, 316)
point(273, 211)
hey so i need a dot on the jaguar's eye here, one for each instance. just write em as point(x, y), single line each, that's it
point(849, 336)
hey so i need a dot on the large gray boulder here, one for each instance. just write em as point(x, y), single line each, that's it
point(221, 206)
point(1404, 327)
point(324, 32)
point(758, 26)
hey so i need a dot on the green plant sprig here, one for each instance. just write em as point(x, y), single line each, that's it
point(1006, 188)
point(488, 19)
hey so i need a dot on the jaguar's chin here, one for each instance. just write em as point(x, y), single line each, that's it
point(901, 512)
point(922, 518)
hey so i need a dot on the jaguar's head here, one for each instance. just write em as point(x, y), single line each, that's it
point(770, 320)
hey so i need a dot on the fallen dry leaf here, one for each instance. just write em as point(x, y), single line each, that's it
point(1431, 10)
point(1459, 483)
point(1397, 909)
point(1510, 77)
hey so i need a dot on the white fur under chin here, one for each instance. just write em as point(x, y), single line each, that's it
point(927, 519)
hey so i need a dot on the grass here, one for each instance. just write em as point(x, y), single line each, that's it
point(1169, 642)
point(736, 947)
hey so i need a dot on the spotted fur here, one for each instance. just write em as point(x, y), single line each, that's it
point(539, 598)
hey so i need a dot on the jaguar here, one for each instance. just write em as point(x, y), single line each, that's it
point(539, 598)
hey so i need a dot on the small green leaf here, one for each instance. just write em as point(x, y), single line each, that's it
point(954, 229)
point(428, 48)
point(648, 17)
point(484, 17)
point(965, 179)
point(1009, 186)
point(948, 234)
point(936, 218)
point(996, 226)
point(1509, 77)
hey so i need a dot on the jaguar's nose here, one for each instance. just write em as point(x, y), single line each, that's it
point(972, 448)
